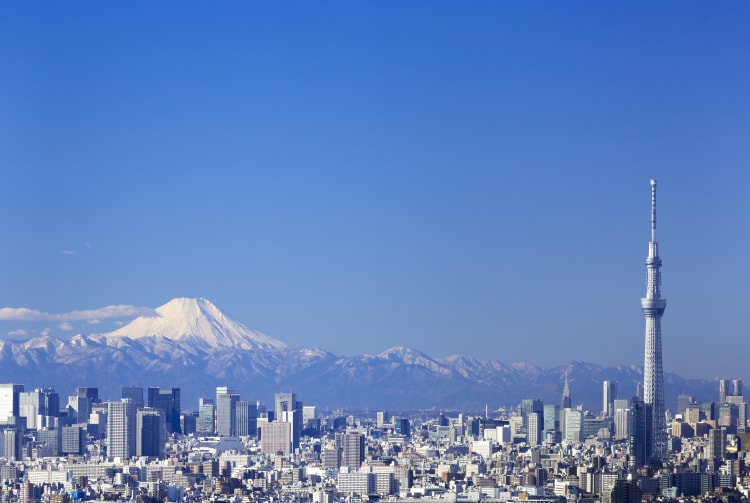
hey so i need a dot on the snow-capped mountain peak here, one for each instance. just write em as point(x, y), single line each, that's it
point(199, 322)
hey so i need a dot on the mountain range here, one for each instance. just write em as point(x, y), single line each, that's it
point(191, 344)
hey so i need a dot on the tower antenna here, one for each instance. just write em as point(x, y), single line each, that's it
point(653, 209)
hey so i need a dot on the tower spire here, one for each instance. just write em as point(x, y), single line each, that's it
point(653, 210)
point(565, 403)
point(653, 373)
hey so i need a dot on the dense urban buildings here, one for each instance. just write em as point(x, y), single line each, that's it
point(534, 451)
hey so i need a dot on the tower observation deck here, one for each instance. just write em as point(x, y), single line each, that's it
point(653, 305)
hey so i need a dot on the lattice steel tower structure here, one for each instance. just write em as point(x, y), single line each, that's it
point(653, 373)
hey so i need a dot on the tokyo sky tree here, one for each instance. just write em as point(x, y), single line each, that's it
point(653, 373)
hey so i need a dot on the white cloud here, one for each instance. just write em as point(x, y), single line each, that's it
point(18, 333)
point(45, 332)
point(68, 252)
point(65, 326)
point(118, 311)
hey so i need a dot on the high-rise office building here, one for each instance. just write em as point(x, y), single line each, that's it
point(609, 394)
point(188, 422)
point(381, 418)
point(51, 437)
point(206, 412)
point(534, 424)
point(31, 405)
point(275, 438)
point(151, 432)
point(91, 393)
point(246, 418)
point(9, 401)
point(716, 444)
point(736, 387)
point(724, 390)
point(573, 425)
point(226, 406)
point(121, 436)
point(12, 443)
point(622, 419)
point(289, 410)
point(168, 401)
point(135, 394)
point(73, 440)
point(729, 389)
point(40, 403)
point(653, 305)
point(402, 426)
point(551, 414)
point(79, 408)
point(352, 447)
point(640, 431)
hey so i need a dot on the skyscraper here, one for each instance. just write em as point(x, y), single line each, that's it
point(289, 410)
point(121, 434)
point(639, 432)
point(88, 392)
point(534, 425)
point(9, 398)
point(167, 400)
point(352, 447)
point(206, 412)
point(653, 373)
point(723, 390)
point(245, 418)
point(135, 394)
point(73, 439)
point(736, 387)
point(151, 432)
point(226, 404)
point(609, 394)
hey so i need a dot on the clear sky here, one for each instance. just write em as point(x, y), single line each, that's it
point(458, 177)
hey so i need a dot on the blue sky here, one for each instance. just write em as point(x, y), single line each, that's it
point(459, 178)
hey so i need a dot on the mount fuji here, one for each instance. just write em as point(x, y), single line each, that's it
point(191, 344)
point(197, 323)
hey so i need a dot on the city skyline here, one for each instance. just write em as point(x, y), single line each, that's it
point(454, 179)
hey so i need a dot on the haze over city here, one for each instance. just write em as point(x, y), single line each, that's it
point(461, 179)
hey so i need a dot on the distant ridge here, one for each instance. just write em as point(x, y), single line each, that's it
point(191, 344)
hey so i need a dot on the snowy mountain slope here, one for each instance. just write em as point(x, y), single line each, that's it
point(196, 322)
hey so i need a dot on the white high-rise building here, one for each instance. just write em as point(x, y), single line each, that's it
point(9, 398)
point(534, 428)
point(121, 431)
point(653, 305)
point(276, 438)
point(573, 425)
point(622, 419)
point(226, 406)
